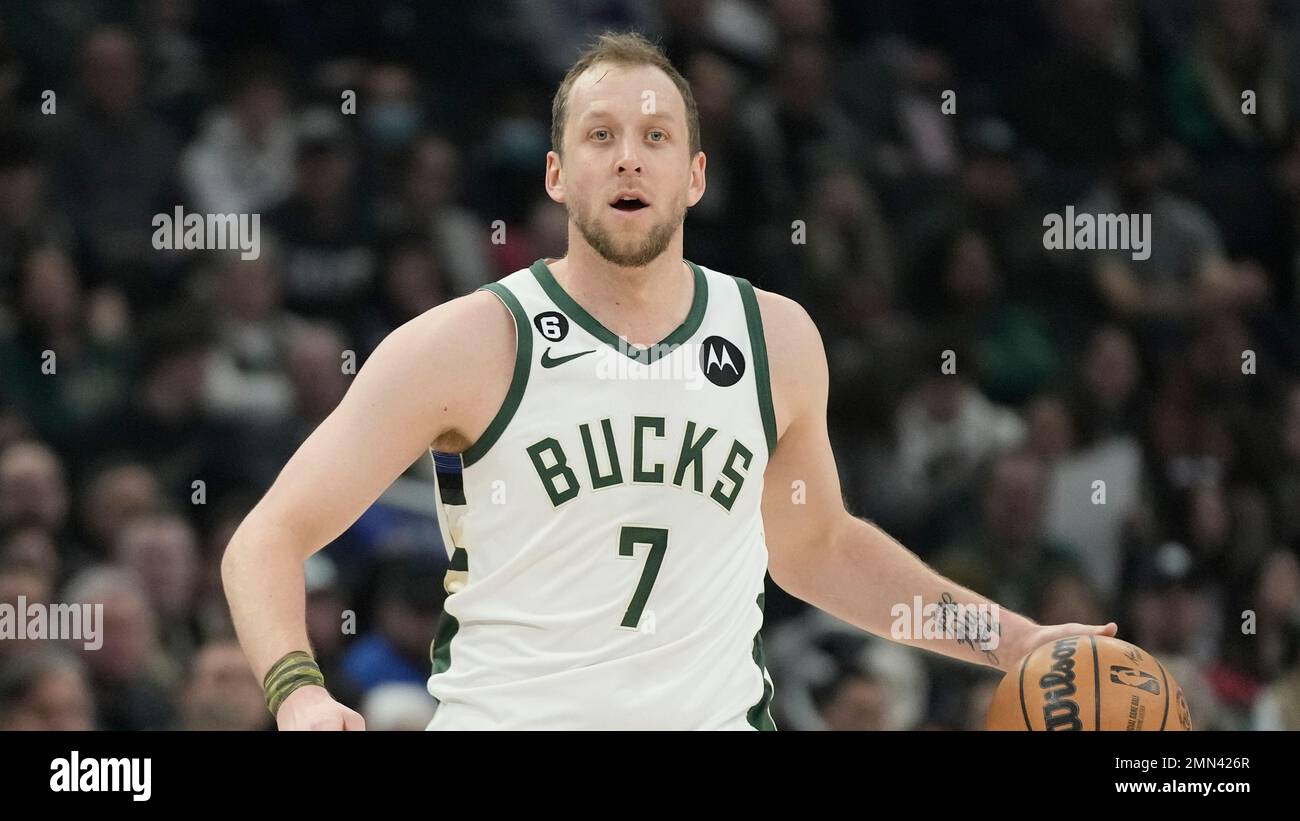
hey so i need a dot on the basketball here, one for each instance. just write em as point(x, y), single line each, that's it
point(1088, 683)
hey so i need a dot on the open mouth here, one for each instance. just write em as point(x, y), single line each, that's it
point(629, 204)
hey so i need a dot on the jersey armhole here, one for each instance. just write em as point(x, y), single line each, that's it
point(518, 381)
point(758, 347)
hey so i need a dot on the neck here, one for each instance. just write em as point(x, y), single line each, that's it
point(642, 304)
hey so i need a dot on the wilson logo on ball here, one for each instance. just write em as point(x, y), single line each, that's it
point(1060, 710)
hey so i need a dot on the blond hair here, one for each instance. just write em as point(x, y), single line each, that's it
point(622, 49)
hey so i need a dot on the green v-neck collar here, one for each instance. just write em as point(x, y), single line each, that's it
point(592, 326)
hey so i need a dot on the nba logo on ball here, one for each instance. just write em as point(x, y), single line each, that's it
point(1089, 683)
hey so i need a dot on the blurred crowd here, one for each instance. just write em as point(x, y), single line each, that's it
point(1119, 438)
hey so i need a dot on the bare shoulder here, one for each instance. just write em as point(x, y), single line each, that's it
point(463, 324)
point(461, 355)
point(796, 357)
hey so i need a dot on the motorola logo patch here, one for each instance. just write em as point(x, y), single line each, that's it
point(722, 362)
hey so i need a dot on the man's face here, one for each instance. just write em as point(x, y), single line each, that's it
point(223, 694)
point(61, 702)
point(626, 133)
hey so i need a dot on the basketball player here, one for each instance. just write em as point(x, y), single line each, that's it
point(624, 443)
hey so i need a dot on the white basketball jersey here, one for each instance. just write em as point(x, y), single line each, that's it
point(607, 552)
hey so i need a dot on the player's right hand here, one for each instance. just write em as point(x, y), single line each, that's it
point(312, 708)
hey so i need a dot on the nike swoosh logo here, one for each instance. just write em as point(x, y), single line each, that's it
point(549, 361)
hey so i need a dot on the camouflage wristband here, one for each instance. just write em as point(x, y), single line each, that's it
point(294, 670)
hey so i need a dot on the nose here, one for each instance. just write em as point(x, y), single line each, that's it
point(629, 160)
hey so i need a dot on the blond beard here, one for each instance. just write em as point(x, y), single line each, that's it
point(648, 250)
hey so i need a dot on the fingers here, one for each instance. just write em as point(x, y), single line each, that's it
point(314, 723)
point(322, 714)
point(353, 721)
point(332, 721)
point(1107, 629)
point(327, 723)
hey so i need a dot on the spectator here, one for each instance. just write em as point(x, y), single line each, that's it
point(429, 206)
point(221, 692)
point(412, 282)
point(66, 363)
point(1006, 553)
point(944, 429)
point(132, 680)
point(243, 159)
point(161, 549)
point(408, 604)
point(116, 492)
point(45, 690)
point(326, 233)
point(117, 166)
point(247, 380)
point(33, 489)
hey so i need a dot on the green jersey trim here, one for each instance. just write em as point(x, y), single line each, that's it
point(760, 716)
point(592, 326)
point(762, 375)
point(519, 381)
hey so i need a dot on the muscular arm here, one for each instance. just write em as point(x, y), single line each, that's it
point(440, 375)
point(824, 555)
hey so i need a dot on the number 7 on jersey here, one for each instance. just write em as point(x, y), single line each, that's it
point(630, 536)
